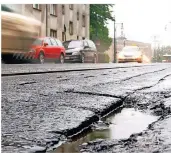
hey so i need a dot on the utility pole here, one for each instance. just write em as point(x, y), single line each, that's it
point(114, 41)
point(46, 20)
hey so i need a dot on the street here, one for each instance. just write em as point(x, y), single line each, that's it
point(45, 105)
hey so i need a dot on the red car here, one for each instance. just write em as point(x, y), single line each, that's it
point(48, 48)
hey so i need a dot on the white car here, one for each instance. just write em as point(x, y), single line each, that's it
point(130, 54)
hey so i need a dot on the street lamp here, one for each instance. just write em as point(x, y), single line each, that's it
point(166, 26)
point(115, 42)
point(115, 49)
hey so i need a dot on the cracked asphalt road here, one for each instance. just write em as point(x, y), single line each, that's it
point(43, 104)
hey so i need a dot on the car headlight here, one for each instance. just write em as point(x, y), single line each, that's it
point(76, 53)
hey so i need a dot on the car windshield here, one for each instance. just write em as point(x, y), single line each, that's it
point(65, 44)
point(130, 49)
point(167, 57)
point(75, 44)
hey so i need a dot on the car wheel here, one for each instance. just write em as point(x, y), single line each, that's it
point(82, 58)
point(41, 58)
point(95, 59)
point(62, 59)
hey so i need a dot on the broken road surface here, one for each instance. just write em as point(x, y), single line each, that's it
point(41, 109)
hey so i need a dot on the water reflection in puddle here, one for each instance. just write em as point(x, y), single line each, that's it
point(123, 124)
point(128, 122)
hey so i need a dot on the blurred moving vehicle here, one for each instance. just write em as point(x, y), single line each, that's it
point(130, 54)
point(18, 32)
point(80, 51)
point(47, 48)
point(167, 58)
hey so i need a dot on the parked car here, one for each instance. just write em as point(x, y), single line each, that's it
point(80, 51)
point(47, 48)
point(130, 54)
point(167, 58)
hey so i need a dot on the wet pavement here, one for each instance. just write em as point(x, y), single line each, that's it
point(16, 69)
point(135, 121)
point(40, 111)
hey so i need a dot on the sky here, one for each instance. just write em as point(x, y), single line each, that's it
point(143, 19)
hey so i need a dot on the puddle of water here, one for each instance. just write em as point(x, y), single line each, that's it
point(127, 122)
point(123, 124)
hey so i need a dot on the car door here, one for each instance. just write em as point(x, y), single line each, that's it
point(47, 49)
point(60, 47)
point(91, 50)
point(55, 51)
point(86, 50)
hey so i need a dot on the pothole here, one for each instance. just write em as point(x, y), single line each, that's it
point(127, 122)
point(116, 126)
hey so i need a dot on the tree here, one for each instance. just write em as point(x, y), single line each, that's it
point(99, 15)
point(159, 52)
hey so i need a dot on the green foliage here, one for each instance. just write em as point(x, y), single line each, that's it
point(158, 53)
point(99, 14)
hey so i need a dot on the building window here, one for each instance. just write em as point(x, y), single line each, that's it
point(53, 9)
point(71, 28)
point(36, 6)
point(53, 33)
point(71, 6)
point(63, 36)
point(77, 15)
point(63, 9)
point(77, 37)
point(83, 21)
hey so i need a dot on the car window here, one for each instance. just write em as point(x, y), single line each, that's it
point(66, 43)
point(54, 43)
point(47, 40)
point(75, 44)
point(59, 43)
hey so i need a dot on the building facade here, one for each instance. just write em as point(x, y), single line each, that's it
point(65, 22)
